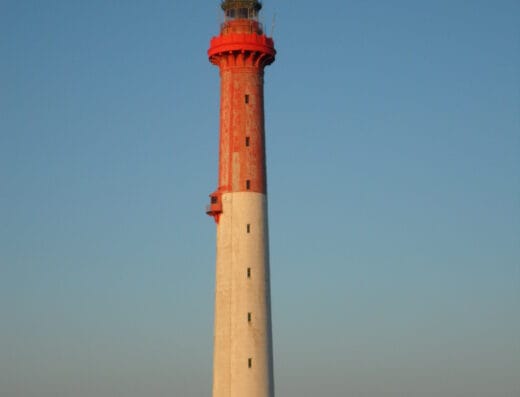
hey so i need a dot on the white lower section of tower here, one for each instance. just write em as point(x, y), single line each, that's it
point(242, 356)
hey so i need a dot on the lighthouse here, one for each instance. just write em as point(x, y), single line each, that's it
point(243, 349)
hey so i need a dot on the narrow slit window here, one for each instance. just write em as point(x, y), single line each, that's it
point(248, 272)
point(248, 184)
point(248, 228)
point(249, 362)
point(247, 141)
point(246, 98)
point(248, 317)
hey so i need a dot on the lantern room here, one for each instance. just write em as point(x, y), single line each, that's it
point(241, 16)
point(241, 9)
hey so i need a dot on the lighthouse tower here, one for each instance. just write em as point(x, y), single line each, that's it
point(242, 355)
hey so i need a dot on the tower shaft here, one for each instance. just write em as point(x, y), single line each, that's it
point(242, 356)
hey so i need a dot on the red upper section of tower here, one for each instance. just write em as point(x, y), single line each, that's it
point(241, 51)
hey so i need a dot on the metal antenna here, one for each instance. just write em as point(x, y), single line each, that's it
point(274, 21)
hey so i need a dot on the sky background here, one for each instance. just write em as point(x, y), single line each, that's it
point(393, 138)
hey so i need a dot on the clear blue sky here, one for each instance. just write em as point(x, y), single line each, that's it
point(393, 132)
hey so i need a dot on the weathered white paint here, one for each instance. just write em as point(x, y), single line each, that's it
point(237, 340)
